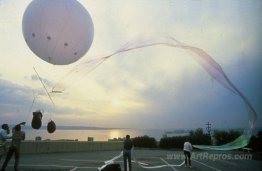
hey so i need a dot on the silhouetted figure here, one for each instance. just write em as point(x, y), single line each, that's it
point(17, 137)
point(51, 127)
point(37, 119)
point(4, 131)
point(128, 145)
point(187, 151)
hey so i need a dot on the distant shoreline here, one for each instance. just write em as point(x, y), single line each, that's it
point(76, 128)
point(82, 133)
point(169, 130)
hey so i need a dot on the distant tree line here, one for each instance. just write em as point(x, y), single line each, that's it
point(223, 137)
point(145, 141)
point(197, 136)
point(256, 142)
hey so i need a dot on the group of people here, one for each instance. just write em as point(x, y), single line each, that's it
point(128, 145)
point(17, 137)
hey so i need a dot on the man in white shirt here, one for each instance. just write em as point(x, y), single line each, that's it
point(187, 151)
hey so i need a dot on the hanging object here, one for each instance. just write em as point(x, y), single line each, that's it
point(51, 127)
point(37, 119)
point(58, 31)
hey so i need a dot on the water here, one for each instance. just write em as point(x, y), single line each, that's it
point(97, 134)
point(104, 134)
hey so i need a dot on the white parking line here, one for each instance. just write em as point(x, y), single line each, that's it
point(168, 164)
point(73, 169)
point(83, 168)
point(207, 165)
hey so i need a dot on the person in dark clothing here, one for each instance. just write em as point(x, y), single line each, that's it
point(128, 145)
point(4, 131)
point(17, 137)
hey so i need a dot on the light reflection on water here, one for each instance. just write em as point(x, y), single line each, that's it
point(99, 135)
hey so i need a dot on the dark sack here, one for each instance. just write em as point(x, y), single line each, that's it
point(37, 120)
point(112, 167)
point(51, 127)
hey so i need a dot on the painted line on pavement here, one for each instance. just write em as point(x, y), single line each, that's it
point(168, 164)
point(207, 165)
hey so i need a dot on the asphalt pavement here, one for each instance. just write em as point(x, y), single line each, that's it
point(144, 159)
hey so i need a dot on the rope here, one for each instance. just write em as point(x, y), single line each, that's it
point(44, 87)
point(30, 109)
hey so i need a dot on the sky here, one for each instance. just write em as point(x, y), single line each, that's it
point(155, 87)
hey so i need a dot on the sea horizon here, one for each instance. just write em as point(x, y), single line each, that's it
point(83, 133)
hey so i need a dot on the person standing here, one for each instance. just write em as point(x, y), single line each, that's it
point(17, 137)
point(4, 131)
point(128, 145)
point(187, 152)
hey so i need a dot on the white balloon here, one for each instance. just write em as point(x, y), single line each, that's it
point(58, 31)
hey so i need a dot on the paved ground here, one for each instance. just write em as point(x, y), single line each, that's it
point(201, 161)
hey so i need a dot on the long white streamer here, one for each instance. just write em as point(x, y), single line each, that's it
point(108, 162)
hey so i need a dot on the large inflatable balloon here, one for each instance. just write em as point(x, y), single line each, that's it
point(58, 31)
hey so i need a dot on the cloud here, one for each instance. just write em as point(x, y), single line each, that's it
point(45, 81)
point(154, 87)
point(16, 101)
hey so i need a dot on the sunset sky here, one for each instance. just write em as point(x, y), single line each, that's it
point(154, 87)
